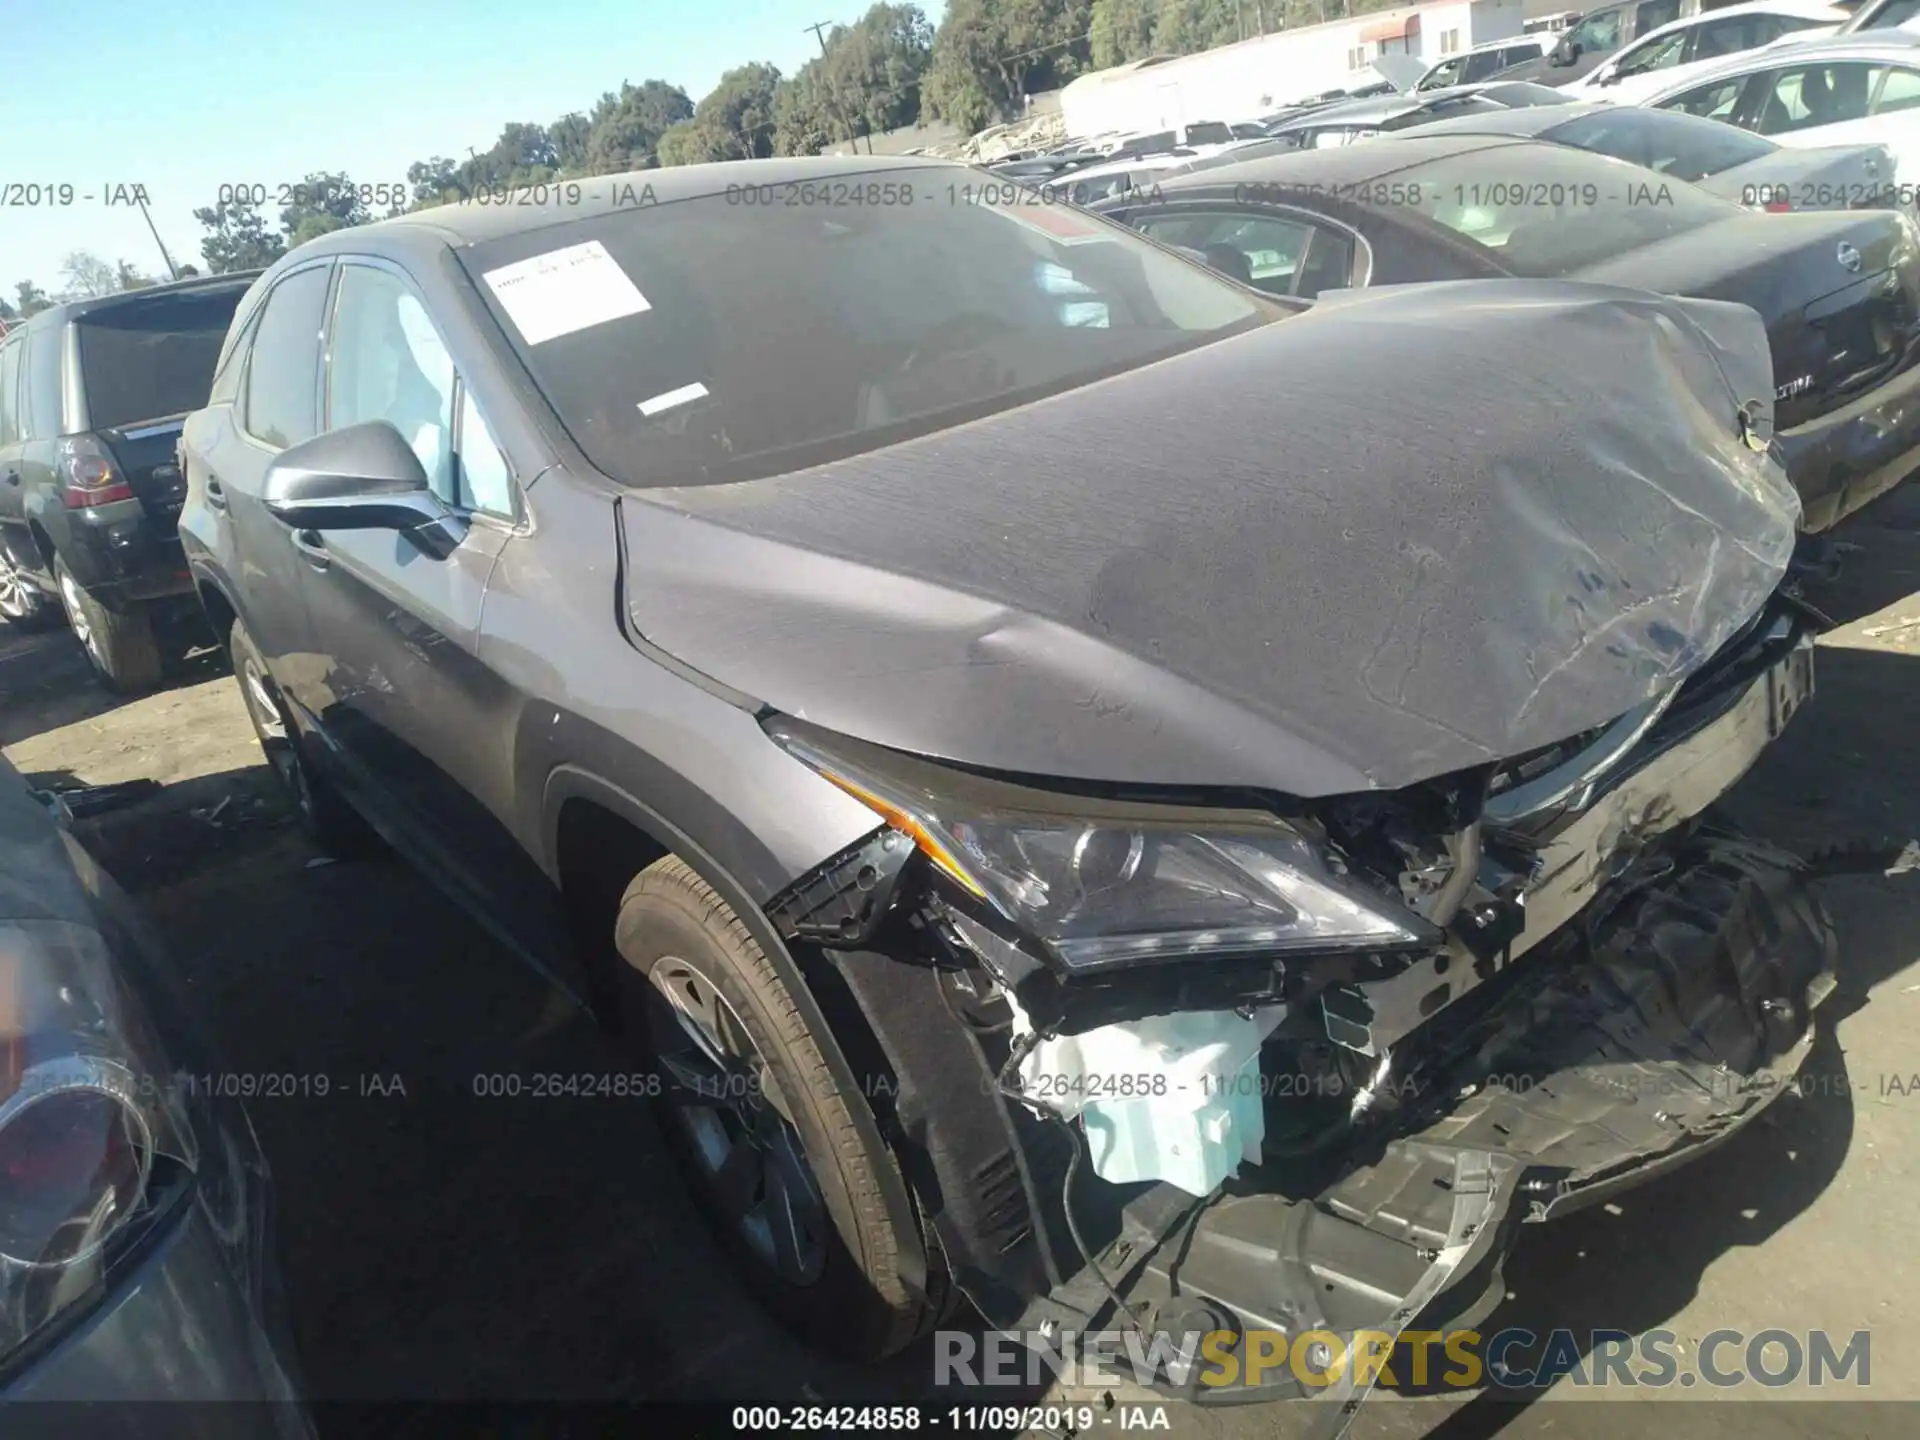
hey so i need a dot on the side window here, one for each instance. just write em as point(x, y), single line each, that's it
point(1598, 34)
point(484, 481)
point(1653, 55)
point(1805, 97)
point(1447, 72)
point(226, 380)
point(1714, 102)
point(1328, 264)
point(1263, 251)
point(40, 387)
point(387, 362)
point(1899, 91)
point(1480, 64)
point(283, 368)
point(1734, 33)
point(10, 390)
point(1650, 15)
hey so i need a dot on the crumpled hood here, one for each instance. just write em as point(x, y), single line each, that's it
point(1412, 530)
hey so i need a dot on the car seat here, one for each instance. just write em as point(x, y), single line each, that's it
point(1230, 261)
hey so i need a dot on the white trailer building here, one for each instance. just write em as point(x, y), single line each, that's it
point(1256, 76)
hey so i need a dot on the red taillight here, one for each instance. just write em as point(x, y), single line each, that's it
point(88, 474)
point(1777, 207)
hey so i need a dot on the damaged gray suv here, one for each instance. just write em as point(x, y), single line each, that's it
point(1100, 792)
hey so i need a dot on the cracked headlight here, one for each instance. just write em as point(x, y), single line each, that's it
point(1103, 882)
point(91, 1133)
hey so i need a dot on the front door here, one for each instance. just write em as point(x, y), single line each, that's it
point(424, 725)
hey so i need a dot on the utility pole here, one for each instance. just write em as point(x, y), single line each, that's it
point(819, 29)
point(173, 272)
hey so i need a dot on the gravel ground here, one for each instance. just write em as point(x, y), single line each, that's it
point(436, 1244)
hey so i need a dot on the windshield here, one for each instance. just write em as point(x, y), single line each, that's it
point(144, 359)
point(1597, 34)
point(715, 339)
point(1547, 210)
point(1682, 146)
point(1886, 17)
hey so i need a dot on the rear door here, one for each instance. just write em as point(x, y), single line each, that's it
point(145, 363)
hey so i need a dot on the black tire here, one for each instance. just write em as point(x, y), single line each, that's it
point(119, 643)
point(857, 1304)
point(23, 604)
point(330, 822)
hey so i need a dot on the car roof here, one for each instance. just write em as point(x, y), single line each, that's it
point(1794, 9)
point(1340, 165)
point(1377, 108)
point(67, 310)
point(558, 201)
point(1901, 45)
point(1523, 123)
point(1499, 44)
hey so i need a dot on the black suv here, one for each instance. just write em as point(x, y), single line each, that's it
point(92, 397)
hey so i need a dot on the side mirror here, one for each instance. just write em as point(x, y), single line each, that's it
point(1565, 51)
point(364, 477)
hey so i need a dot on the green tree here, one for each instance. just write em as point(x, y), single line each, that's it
point(32, 299)
point(624, 130)
point(568, 136)
point(237, 238)
point(87, 276)
point(1184, 26)
point(436, 182)
point(128, 277)
point(323, 202)
point(989, 54)
point(1121, 30)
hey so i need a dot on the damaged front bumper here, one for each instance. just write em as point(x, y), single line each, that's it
point(1625, 1053)
point(1623, 987)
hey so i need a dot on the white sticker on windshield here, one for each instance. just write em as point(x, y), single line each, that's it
point(565, 290)
point(685, 393)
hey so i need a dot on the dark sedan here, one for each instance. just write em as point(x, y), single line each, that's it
point(913, 654)
point(1738, 166)
point(134, 1257)
point(1839, 291)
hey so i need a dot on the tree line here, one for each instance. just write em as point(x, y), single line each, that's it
point(889, 69)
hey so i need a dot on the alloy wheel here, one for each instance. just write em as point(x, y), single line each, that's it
point(276, 739)
point(728, 1104)
point(15, 597)
point(76, 608)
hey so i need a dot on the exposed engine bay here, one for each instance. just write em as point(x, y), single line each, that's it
point(1585, 981)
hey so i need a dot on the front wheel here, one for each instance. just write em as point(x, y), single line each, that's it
point(789, 1168)
point(119, 643)
point(331, 823)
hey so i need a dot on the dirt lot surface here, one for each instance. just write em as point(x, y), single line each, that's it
point(436, 1244)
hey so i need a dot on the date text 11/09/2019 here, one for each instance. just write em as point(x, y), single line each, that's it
point(960, 1419)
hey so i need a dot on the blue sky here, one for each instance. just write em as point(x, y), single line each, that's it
point(183, 97)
